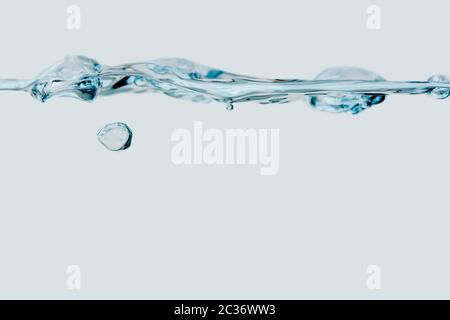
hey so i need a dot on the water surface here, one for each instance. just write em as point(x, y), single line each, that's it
point(344, 89)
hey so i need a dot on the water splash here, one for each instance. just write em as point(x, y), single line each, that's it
point(115, 136)
point(334, 90)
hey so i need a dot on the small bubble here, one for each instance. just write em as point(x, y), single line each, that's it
point(230, 106)
point(115, 136)
point(437, 92)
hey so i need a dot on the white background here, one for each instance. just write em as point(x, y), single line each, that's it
point(351, 191)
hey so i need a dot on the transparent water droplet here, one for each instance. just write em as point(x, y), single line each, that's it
point(115, 136)
point(346, 101)
point(439, 93)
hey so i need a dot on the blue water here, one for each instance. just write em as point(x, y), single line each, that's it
point(334, 90)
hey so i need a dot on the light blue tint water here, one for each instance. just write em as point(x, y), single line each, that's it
point(334, 90)
point(115, 136)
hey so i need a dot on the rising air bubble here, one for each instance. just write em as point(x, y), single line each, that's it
point(115, 136)
point(349, 90)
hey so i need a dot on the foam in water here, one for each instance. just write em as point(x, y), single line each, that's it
point(349, 90)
